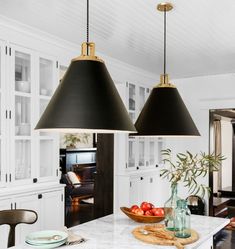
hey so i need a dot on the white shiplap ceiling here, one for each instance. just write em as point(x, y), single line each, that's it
point(201, 33)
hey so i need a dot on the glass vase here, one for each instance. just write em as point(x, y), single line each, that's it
point(169, 208)
point(182, 220)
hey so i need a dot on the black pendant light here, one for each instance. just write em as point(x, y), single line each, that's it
point(86, 100)
point(164, 113)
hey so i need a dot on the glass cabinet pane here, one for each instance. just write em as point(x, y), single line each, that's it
point(22, 72)
point(141, 152)
point(151, 152)
point(132, 116)
point(22, 159)
point(22, 116)
point(160, 148)
point(46, 158)
point(46, 77)
point(131, 158)
point(43, 105)
point(62, 72)
point(0, 160)
point(132, 97)
point(0, 114)
point(141, 98)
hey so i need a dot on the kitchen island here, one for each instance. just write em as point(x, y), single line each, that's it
point(114, 232)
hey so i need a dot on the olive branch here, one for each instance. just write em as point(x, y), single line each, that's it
point(188, 168)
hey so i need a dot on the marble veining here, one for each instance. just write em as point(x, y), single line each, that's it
point(114, 232)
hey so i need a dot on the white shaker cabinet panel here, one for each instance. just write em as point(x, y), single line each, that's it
point(53, 210)
point(4, 229)
point(31, 202)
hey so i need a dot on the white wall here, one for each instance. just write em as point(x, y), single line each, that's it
point(201, 94)
point(226, 148)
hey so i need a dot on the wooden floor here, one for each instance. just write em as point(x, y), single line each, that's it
point(78, 214)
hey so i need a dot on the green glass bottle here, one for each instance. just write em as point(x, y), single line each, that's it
point(182, 220)
point(169, 208)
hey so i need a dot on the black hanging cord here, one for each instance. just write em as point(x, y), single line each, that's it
point(164, 64)
point(87, 27)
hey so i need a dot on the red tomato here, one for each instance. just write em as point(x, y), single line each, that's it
point(145, 206)
point(148, 213)
point(133, 208)
point(158, 211)
point(139, 211)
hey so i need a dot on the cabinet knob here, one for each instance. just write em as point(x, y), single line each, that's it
point(35, 180)
point(141, 178)
point(156, 166)
point(137, 167)
point(40, 196)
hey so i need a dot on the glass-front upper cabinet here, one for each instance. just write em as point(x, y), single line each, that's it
point(62, 71)
point(141, 152)
point(152, 152)
point(47, 144)
point(2, 114)
point(21, 114)
point(132, 101)
point(131, 154)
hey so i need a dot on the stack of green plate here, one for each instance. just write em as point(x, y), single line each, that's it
point(46, 239)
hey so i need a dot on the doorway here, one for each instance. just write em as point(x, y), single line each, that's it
point(222, 142)
point(92, 166)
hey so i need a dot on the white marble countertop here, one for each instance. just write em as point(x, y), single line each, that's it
point(114, 232)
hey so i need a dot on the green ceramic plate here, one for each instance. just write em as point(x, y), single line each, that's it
point(47, 246)
point(36, 238)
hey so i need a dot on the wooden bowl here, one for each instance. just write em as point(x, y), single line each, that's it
point(141, 218)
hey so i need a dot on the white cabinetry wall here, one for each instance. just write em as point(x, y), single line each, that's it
point(28, 80)
point(137, 159)
point(47, 200)
point(29, 159)
point(140, 186)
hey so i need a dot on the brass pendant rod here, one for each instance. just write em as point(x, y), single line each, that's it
point(87, 30)
point(164, 64)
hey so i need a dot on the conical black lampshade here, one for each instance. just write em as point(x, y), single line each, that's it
point(165, 114)
point(85, 101)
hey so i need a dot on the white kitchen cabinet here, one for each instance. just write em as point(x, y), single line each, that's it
point(27, 81)
point(48, 202)
point(3, 128)
point(135, 188)
point(49, 207)
point(4, 229)
point(142, 156)
point(140, 152)
point(32, 203)
point(52, 203)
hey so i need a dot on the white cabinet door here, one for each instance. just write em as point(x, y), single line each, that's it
point(135, 191)
point(155, 191)
point(31, 202)
point(21, 89)
point(138, 186)
point(53, 210)
point(3, 112)
point(4, 229)
point(47, 148)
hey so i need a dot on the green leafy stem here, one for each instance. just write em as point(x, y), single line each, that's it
point(188, 168)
